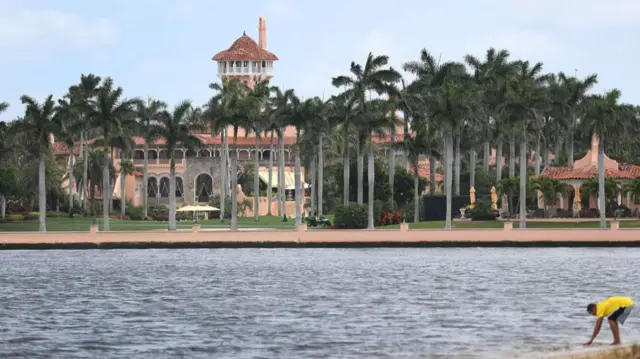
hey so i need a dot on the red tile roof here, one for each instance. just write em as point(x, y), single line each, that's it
point(624, 171)
point(245, 49)
point(423, 171)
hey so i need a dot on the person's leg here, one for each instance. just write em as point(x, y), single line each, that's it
point(616, 332)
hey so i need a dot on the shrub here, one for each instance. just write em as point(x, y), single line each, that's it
point(408, 211)
point(389, 218)
point(564, 213)
point(183, 217)
point(482, 211)
point(134, 213)
point(353, 216)
point(15, 217)
point(157, 209)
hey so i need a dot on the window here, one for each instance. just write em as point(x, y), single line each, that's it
point(231, 64)
point(238, 64)
point(264, 64)
point(246, 64)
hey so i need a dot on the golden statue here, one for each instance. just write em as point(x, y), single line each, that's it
point(577, 201)
point(472, 197)
point(494, 199)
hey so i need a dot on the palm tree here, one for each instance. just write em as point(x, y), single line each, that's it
point(279, 116)
point(525, 96)
point(126, 169)
point(550, 188)
point(604, 118)
point(576, 90)
point(416, 146)
point(176, 127)
point(108, 112)
point(373, 76)
point(3, 107)
point(87, 88)
point(449, 105)
point(147, 119)
point(40, 123)
point(253, 107)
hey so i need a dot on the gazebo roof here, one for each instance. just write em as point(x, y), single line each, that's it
point(587, 167)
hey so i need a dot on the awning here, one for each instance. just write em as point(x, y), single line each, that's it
point(197, 209)
point(289, 178)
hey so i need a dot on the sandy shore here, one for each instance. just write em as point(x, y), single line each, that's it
point(624, 352)
point(326, 238)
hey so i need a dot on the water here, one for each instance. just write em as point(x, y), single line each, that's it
point(307, 303)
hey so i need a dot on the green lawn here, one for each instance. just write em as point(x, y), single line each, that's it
point(82, 224)
point(500, 224)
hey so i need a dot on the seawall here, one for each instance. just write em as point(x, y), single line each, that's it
point(303, 238)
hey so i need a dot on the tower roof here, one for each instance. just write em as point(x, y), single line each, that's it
point(245, 49)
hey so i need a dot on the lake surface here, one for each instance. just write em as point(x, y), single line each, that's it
point(308, 303)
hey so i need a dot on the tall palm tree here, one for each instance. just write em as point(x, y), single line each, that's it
point(525, 96)
point(108, 112)
point(449, 105)
point(147, 113)
point(577, 92)
point(40, 123)
point(3, 107)
point(175, 128)
point(604, 118)
point(279, 116)
point(374, 76)
point(416, 146)
point(87, 88)
point(254, 109)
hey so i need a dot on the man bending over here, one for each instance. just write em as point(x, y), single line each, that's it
point(617, 310)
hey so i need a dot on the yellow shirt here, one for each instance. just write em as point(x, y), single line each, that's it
point(610, 305)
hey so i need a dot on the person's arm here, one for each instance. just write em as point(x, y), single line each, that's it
point(596, 330)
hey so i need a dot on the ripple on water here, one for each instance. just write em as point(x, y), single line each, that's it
point(311, 303)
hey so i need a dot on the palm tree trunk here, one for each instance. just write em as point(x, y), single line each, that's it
point(360, 174)
point(405, 155)
point(123, 197)
point(270, 180)
point(472, 168)
point(3, 206)
point(570, 147)
point(416, 197)
point(458, 166)
point(346, 175)
point(223, 174)
point(392, 172)
point(145, 180)
point(448, 139)
point(499, 160)
point(106, 185)
point(523, 183)
point(545, 155)
point(557, 150)
point(314, 189)
point(320, 175)
point(370, 178)
point(298, 185)
point(85, 172)
point(281, 182)
point(71, 177)
point(111, 184)
point(42, 194)
point(485, 156)
point(234, 193)
point(172, 193)
point(601, 179)
point(537, 154)
point(512, 154)
point(256, 182)
point(432, 176)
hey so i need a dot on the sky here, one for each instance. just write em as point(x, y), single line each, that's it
point(163, 48)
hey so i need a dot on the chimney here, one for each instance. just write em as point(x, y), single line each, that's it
point(262, 33)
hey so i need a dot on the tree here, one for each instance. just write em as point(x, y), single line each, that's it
point(126, 169)
point(147, 113)
point(40, 123)
point(108, 111)
point(374, 76)
point(576, 91)
point(88, 89)
point(415, 147)
point(605, 118)
point(8, 185)
point(550, 188)
point(175, 128)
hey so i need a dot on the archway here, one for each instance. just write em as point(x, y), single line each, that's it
point(203, 187)
point(152, 187)
point(164, 187)
point(179, 187)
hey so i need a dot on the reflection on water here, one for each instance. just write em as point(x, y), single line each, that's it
point(307, 303)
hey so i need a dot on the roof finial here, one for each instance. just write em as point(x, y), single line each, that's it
point(244, 33)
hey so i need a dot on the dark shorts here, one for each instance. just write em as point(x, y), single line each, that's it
point(621, 314)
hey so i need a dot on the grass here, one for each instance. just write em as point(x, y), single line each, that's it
point(82, 224)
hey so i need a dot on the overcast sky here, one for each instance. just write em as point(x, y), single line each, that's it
point(163, 48)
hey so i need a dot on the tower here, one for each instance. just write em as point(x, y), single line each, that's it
point(247, 60)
